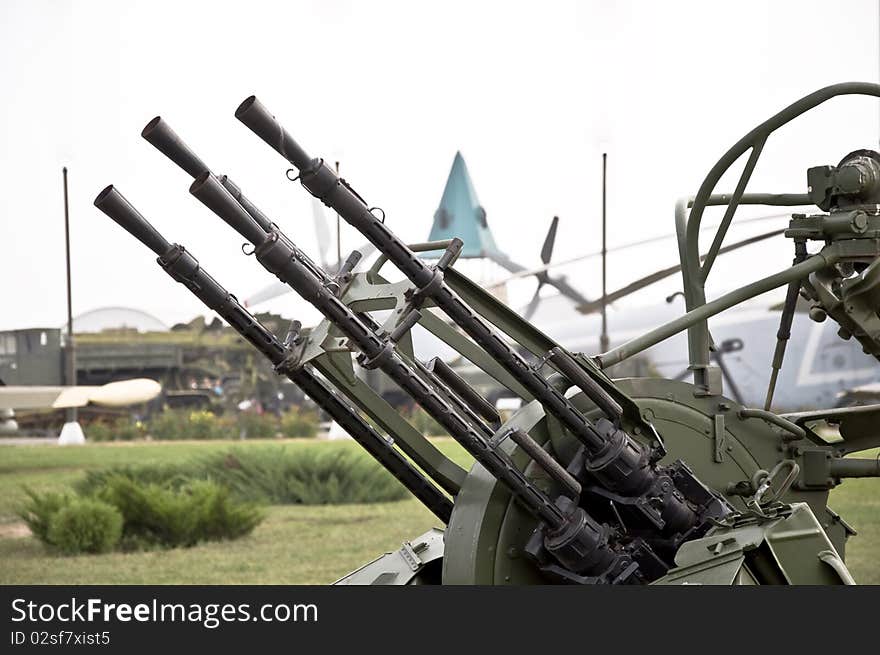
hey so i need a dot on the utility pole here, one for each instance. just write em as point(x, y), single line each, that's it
point(71, 433)
point(70, 376)
point(603, 337)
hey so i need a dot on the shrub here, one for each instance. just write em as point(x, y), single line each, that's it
point(85, 525)
point(167, 425)
point(119, 429)
point(99, 431)
point(175, 424)
point(172, 476)
point(308, 476)
point(173, 510)
point(267, 475)
point(38, 510)
point(299, 422)
point(201, 510)
point(203, 424)
point(257, 426)
point(209, 498)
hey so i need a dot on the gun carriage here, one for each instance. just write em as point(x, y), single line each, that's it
point(593, 480)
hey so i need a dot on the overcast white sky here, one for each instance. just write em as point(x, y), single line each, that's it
point(530, 92)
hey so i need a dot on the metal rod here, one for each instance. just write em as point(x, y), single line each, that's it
point(569, 367)
point(635, 346)
point(467, 393)
point(775, 419)
point(732, 206)
point(656, 276)
point(782, 337)
point(543, 459)
point(853, 467)
point(338, 232)
point(70, 353)
point(603, 337)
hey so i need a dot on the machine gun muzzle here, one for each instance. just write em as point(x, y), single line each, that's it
point(160, 134)
point(166, 141)
point(252, 113)
point(211, 193)
point(112, 203)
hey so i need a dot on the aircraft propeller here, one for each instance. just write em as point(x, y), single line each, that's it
point(542, 276)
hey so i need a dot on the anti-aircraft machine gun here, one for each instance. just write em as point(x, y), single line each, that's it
point(593, 480)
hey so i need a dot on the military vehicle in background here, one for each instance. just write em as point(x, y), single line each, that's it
point(593, 480)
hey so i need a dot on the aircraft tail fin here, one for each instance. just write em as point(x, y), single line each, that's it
point(461, 215)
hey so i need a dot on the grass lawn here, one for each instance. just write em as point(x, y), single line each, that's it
point(294, 545)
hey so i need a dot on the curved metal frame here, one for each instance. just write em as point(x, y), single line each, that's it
point(687, 224)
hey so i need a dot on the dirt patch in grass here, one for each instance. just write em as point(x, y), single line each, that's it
point(16, 530)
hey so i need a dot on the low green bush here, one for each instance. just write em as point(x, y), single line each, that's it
point(172, 476)
point(38, 510)
point(85, 525)
point(119, 429)
point(201, 510)
point(170, 510)
point(307, 476)
point(299, 422)
point(256, 426)
point(176, 424)
point(268, 475)
point(214, 497)
point(203, 424)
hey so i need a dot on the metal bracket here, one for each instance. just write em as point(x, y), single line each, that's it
point(718, 437)
point(410, 557)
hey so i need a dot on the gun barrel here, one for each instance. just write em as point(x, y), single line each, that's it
point(573, 371)
point(211, 193)
point(467, 393)
point(114, 204)
point(252, 113)
point(854, 467)
point(160, 134)
point(166, 141)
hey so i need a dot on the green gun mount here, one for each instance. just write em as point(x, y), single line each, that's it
point(592, 480)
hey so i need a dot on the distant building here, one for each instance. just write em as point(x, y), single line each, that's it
point(116, 318)
point(31, 356)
